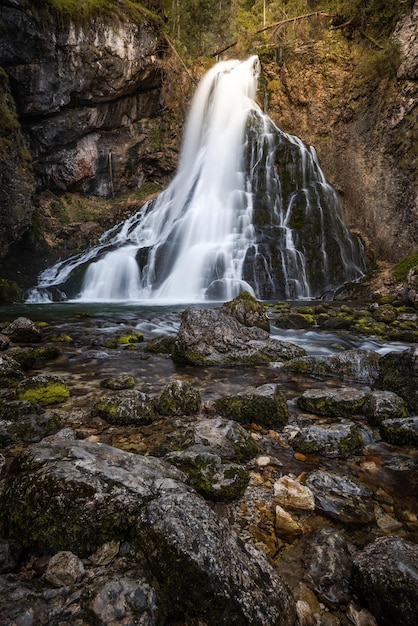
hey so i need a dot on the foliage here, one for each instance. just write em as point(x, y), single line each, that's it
point(402, 268)
point(380, 63)
point(78, 11)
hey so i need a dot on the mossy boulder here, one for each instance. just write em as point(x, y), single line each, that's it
point(339, 440)
point(344, 401)
point(26, 357)
point(11, 372)
point(248, 311)
point(130, 407)
point(122, 381)
point(43, 389)
point(23, 330)
point(34, 427)
point(400, 432)
point(382, 405)
point(178, 398)
point(264, 405)
point(162, 344)
point(213, 479)
point(354, 365)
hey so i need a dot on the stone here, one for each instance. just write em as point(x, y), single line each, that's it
point(178, 398)
point(381, 405)
point(340, 497)
point(286, 527)
point(264, 405)
point(248, 311)
point(291, 494)
point(122, 381)
point(228, 581)
point(43, 389)
point(339, 440)
point(386, 575)
point(354, 365)
point(340, 402)
point(400, 432)
point(213, 479)
point(130, 407)
point(64, 569)
point(125, 600)
point(360, 616)
point(11, 373)
point(213, 337)
point(329, 566)
point(23, 330)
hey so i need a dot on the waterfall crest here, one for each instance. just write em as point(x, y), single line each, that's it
point(249, 208)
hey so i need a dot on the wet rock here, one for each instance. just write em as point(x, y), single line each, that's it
point(386, 576)
point(122, 381)
point(264, 405)
point(162, 344)
point(248, 311)
point(64, 569)
point(338, 440)
point(26, 357)
point(125, 600)
point(213, 337)
point(343, 402)
point(178, 398)
point(291, 494)
point(212, 478)
point(78, 495)
point(329, 566)
point(23, 330)
point(222, 581)
point(13, 410)
point(224, 438)
point(400, 432)
point(11, 373)
point(340, 497)
point(398, 372)
point(351, 365)
point(130, 407)
point(44, 389)
point(34, 427)
point(10, 552)
point(381, 405)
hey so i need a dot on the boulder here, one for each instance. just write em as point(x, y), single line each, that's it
point(43, 389)
point(341, 402)
point(386, 576)
point(400, 432)
point(338, 440)
point(340, 497)
point(398, 372)
point(291, 494)
point(178, 398)
point(11, 373)
point(214, 337)
point(23, 330)
point(382, 405)
point(130, 407)
point(117, 383)
point(248, 311)
point(354, 365)
point(264, 405)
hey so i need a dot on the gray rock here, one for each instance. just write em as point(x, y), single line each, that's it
point(351, 365)
point(344, 401)
point(11, 373)
point(178, 398)
point(213, 337)
point(386, 575)
point(340, 497)
point(329, 566)
point(228, 582)
point(130, 407)
point(401, 432)
point(248, 311)
point(264, 405)
point(23, 330)
point(381, 405)
point(398, 372)
point(338, 440)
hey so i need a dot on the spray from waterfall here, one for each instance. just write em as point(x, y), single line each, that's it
point(248, 209)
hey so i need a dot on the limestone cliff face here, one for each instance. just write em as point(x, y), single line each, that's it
point(365, 132)
point(87, 96)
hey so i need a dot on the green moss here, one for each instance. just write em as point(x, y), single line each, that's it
point(127, 339)
point(9, 289)
point(62, 338)
point(401, 269)
point(43, 392)
point(73, 10)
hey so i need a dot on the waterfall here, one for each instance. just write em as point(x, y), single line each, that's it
point(249, 208)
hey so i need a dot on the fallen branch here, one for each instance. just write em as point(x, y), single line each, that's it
point(286, 21)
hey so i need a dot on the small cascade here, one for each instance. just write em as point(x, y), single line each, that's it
point(249, 208)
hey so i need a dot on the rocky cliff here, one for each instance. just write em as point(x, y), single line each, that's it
point(336, 93)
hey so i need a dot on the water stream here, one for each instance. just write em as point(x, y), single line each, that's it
point(249, 208)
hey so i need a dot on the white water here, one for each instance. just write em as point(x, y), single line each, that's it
point(193, 239)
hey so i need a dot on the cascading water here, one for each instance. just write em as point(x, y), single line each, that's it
point(249, 208)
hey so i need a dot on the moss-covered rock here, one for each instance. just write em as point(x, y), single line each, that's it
point(330, 440)
point(130, 407)
point(248, 311)
point(23, 330)
point(44, 390)
point(265, 406)
point(178, 398)
point(122, 381)
point(160, 345)
point(382, 405)
point(11, 372)
point(400, 432)
point(344, 401)
point(351, 365)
